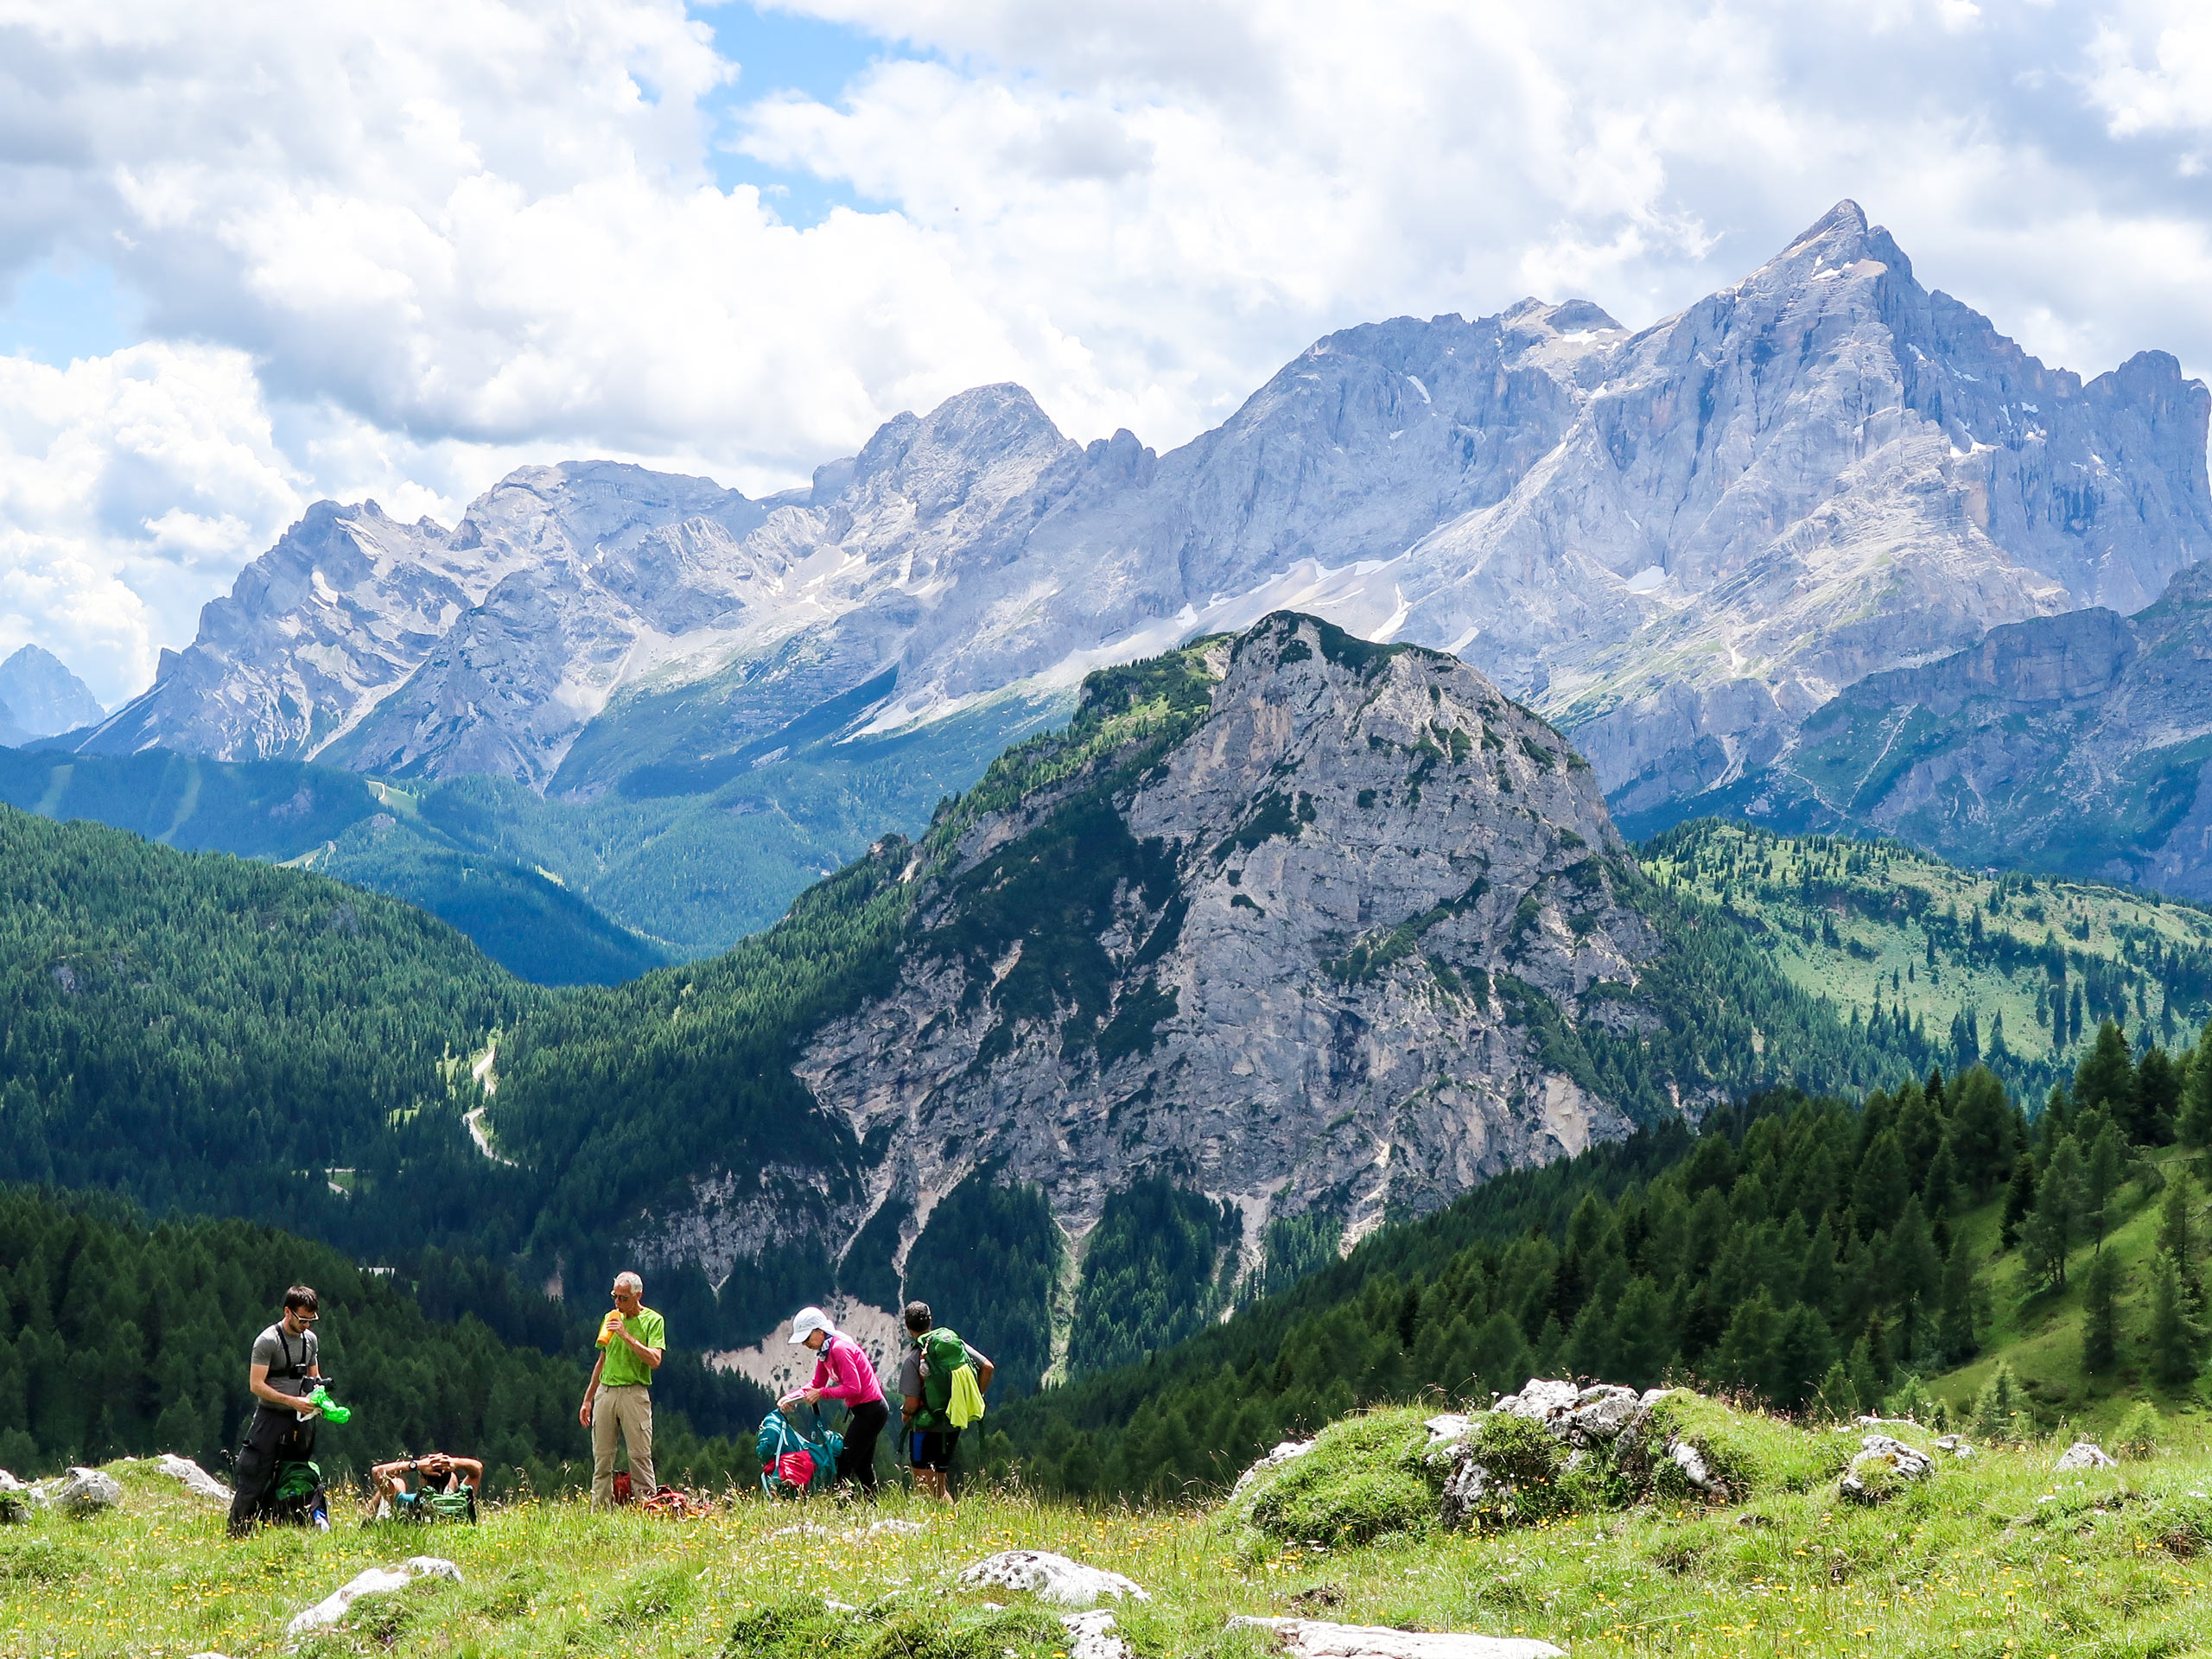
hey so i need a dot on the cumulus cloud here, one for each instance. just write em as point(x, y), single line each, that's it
point(396, 250)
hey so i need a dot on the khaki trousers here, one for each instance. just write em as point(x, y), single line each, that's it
point(629, 1407)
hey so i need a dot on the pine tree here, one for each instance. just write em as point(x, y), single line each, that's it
point(2155, 1101)
point(1839, 1399)
point(2195, 1129)
point(2019, 1200)
point(2106, 1169)
point(1997, 1410)
point(1980, 1135)
point(1954, 1329)
point(1938, 1190)
point(2106, 1077)
point(1881, 1188)
point(2178, 1236)
point(2056, 1226)
point(2100, 1305)
point(2177, 1340)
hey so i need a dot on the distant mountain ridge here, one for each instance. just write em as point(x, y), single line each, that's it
point(2079, 743)
point(39, 696)
point(1676, 544)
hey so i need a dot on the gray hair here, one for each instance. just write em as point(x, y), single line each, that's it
point(629, 1281)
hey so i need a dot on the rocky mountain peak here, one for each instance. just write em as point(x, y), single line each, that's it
point(1271, 914)
point(43, 697)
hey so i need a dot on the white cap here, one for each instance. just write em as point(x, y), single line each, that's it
point(806, 1322)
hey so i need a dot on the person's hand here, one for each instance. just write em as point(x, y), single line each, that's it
point(812, 1396)
point(583, 1413)
point(306, 1407)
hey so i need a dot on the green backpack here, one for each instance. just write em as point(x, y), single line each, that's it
point(943, 1354)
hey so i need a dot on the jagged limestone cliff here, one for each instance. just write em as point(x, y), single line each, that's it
point(1284, 956)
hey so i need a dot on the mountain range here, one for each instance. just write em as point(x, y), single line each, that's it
point(1676, 544)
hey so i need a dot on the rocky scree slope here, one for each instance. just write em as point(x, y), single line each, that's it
point(2075, 743)
point(1676, 544)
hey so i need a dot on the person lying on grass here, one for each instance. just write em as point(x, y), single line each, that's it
point(440, 1472)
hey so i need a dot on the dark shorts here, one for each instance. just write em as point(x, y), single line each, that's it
point(933, 1448)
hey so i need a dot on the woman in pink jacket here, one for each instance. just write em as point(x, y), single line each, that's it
point(841, 1372)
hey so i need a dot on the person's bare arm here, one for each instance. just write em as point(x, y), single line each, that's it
point(984, 1370)
point(472, 1470)
point(258, 1383)
point(591, 1390)
point(909, 1407)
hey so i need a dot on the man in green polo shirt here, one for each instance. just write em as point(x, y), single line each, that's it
point(631, 1339)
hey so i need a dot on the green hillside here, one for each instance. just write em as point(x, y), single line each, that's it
point(1960, 964)
point(235, 1037)
point(345, 825)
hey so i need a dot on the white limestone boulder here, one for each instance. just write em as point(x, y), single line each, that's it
point(377, 1581)
point(1308, 1638)
point(1051, 1578)
point(1090, 1636)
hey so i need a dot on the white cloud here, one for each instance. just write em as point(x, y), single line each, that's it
point(130, 485)
point(418, 243)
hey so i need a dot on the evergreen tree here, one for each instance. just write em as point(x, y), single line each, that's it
point(2105, 1169)
point(2101, 1308)
point(1980, 1134)
point(2177, 1236)
point(1817, 1285)
point(2177, 1340)
point(1803, 1351)
point(1954, 1330)
point(2056, 1226)
point(1915, 1271)
point(1999, 1412)
point(2155, 1102)
point(1938, 1192)
point(2195, 1129)
point(2105, 1079)
point(1839, 1399)
point(1879, 1191)
point(1745, 1355)
point(2019, 1200)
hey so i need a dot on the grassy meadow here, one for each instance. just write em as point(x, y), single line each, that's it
point(1994, 1555)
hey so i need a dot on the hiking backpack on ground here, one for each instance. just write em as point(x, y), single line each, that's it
point(794, 1461)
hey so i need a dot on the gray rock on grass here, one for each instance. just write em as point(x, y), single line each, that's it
point(1284, 1452)
point(1090, 1636)
point(1875, 1473)
point(197, 1481)
point(2083, 1454)
point(1308, 1638)
point(1051, 1578)
point(86, 1492)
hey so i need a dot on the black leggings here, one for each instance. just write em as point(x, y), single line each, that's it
point(857, 1461)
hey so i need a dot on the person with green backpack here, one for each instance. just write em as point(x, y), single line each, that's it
point(941, 1391)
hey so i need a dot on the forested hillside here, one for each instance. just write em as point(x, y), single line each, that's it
point(1950, 965)
point(346, 825)
point(118, 1338)
point(1816, 1254)
point(238, 1039)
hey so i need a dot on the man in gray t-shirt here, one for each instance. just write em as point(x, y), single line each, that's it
point(286, 1363)
point(930, 1441)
